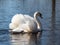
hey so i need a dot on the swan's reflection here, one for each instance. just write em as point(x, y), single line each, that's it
point(24, 39)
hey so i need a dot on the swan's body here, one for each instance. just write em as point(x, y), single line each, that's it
point(24, 23)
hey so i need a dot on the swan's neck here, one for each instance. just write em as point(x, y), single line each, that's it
point(38, 23)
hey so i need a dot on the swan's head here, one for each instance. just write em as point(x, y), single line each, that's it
point(38, 14)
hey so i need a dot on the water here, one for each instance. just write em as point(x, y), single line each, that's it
point(7, 38)
point(9, 8)
point(4, 38)
point(46, 38)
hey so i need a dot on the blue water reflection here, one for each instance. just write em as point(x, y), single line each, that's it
point(4, 38)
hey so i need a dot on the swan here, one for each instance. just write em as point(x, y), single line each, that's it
point(25, 23)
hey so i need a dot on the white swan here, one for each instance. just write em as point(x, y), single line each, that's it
point(25, 23)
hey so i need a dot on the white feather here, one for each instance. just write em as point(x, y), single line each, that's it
point(24, 23)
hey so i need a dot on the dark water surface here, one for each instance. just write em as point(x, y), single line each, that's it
point(7, 38)
point(46, 38)
point(4, 38)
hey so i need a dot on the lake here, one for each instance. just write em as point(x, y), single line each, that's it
point(8, 8)
point(46, 38)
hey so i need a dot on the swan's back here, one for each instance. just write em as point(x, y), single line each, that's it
point(18, 18)
point(23, 22)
